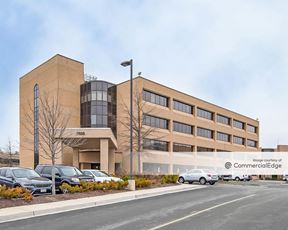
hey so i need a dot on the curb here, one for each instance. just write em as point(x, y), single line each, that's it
point(25, 214)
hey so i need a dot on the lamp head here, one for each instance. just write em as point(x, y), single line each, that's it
point(126, 63)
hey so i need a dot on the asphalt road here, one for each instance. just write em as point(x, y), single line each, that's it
point(232, 207)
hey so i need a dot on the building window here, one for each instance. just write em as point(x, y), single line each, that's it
point(239, 140)
point(155, 98)
point(155, 145)
point(251, 143)
point(204, 149)
point(180, 106)
point(238, 124)
point(201, 132)
point(223, 119)
point(98, 105)
point(36, 125)
point(204, 113)
point(156, 122)
point(182, 128)
point(182, 148)
point(223, 137)
point(251, 129)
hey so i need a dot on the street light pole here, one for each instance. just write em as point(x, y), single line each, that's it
point(125, 64)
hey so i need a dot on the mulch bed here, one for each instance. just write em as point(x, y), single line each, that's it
point(5, 203)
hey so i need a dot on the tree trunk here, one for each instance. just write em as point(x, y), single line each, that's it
point(139, 152)
point(53, 178)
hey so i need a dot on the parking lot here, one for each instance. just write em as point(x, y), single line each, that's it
point(246, 205)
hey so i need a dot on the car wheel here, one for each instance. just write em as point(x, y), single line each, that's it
point(181, 180)
point(211, 182)
point(202, 181)
point(237, 178)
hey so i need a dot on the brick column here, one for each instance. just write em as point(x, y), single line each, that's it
point(76, 157)
point(111, 161)
point(104, 152)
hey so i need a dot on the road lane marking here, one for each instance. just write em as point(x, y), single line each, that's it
point(199, 212)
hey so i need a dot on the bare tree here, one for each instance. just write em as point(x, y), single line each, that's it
point(51, 128)
point(10, 150)
point(140, 130)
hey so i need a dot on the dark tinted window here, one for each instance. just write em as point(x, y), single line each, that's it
point(155, 98)
point(177, 147)
point(252, 143)
point(182, 128)
point(238, 124)
point(201, 132)
point(223, 137)
point(204, 113)
point(180, 106)
point(239, 140)
point(98, 105)
point(155, 145)
point(36, 125)
point(251, 129)
point(204, 149)
point(223, 119)
point(156, 122)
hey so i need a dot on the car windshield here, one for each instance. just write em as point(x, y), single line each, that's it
point(71, 171)
point(25, 173)
point(100, 174)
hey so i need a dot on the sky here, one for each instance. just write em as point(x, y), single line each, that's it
point(231, 53)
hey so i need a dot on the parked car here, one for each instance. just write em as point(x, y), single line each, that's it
point(199, 175)
point(285, 176)
point(63, 174)
point(237, 177)
point(100, 176)
point(27, 178)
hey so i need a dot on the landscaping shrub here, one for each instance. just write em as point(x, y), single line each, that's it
point(15, 193)
point(169, 179)
point(141, 182)
point(125, 177)
point(94, 186)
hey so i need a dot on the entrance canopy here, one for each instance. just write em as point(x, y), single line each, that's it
point(88, 138)
point(99, 141)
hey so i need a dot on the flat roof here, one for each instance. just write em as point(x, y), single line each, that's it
point(56, 55)
point(188, 96)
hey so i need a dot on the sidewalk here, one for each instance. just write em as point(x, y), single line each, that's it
point(29, 211)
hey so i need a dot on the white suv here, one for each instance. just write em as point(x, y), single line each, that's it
point(199, 175)
point(237, 177)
